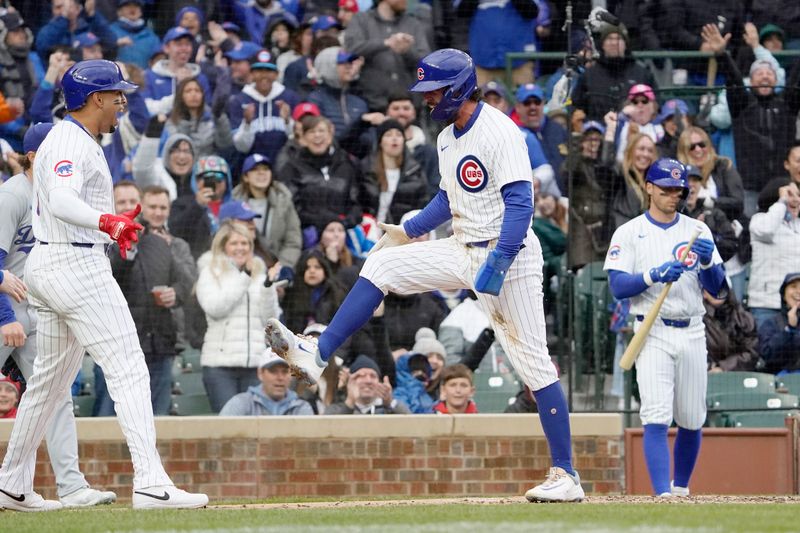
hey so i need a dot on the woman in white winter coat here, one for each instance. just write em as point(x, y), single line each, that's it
point(231, 291)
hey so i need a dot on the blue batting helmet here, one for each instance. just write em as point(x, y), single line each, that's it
point(87, 77)
point(667, 172)
point(450, 68)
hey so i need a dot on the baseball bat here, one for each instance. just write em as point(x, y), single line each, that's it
point(639, 338)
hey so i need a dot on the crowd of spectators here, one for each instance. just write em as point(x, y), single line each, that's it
point(268, 137)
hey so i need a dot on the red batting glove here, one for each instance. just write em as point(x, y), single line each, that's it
point(122, 229)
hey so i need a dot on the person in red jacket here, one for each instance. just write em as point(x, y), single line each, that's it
point(456, 392)
point(9, 397)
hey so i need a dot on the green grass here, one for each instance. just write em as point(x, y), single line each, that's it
point(458, 518)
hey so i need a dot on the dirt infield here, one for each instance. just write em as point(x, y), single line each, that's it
point(596, 500)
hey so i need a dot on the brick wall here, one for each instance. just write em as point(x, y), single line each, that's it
point(263, 457)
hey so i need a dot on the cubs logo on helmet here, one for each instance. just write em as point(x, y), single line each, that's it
point(471, 174)
point(63, 169)
point(691, 257)
point(420, 74)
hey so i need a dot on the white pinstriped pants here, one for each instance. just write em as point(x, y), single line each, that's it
point(61, 436)
point(80, 306)
point(672, 374)
point(516, 315)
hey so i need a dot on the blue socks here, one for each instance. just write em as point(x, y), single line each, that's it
point(687, 448)
point(554, 414)
point(656, 454)
point(356, 310)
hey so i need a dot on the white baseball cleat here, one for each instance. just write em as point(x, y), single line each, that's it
point(87, 497)
point(300, 352)
point(681, 492)
point(30, 502)
point(167, 497)
point(559, 486)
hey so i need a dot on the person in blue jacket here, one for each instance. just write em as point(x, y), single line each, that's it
point(70, 18)
point(260, 114)
point(135, 39)
point(413, 372)
point(779, 337)
point(163, 77)
point(257, 16)
point(551, 135)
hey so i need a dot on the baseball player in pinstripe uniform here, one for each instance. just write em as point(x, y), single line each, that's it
point(486, 190)
point(671, 369)
point(18, 328)
point(79, 305)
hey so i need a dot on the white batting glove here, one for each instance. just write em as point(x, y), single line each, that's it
point(393, 235)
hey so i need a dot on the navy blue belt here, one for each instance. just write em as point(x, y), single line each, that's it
point(82, 245)
point(484, 244)
point(677, 323)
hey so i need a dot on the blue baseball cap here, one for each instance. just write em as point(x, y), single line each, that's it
point(178, 32)
point(529, 90)
point(593, 125)
point(263, 59)
point(35, 135)
point(670, 107)
point(325, 22)
point(244, 51)
point(121, 3)
point(253, 160)
point(237, 210)
point(231, 26)
point(345, 57)
point(85, 40)
point(193, 9)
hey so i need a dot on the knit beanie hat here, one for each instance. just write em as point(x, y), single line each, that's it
point(608, 29)
point(386, 125)
point(426, 343)
point(363, 361)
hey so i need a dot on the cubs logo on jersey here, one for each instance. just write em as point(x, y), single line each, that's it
point(471, 174)
point(63, 169)
point(613, 252)
point(691, 257)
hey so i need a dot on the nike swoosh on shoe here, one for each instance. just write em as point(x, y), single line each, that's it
point(20, 498)
point(163, 498)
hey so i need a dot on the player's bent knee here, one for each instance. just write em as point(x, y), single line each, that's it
point(694, 423)
point(660, 416)
point(376, 272)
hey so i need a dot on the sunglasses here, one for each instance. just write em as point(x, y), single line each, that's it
point(641, 101)
point(532, 101)
point(701, 144)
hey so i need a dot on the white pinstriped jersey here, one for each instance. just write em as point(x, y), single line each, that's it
point(16, 235)
point(639, 245)
point(475, 163)
point(70, 157)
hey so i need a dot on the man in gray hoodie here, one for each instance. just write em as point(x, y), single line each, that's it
point(273, 397)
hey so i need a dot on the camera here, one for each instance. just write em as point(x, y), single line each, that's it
point(209, 180)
